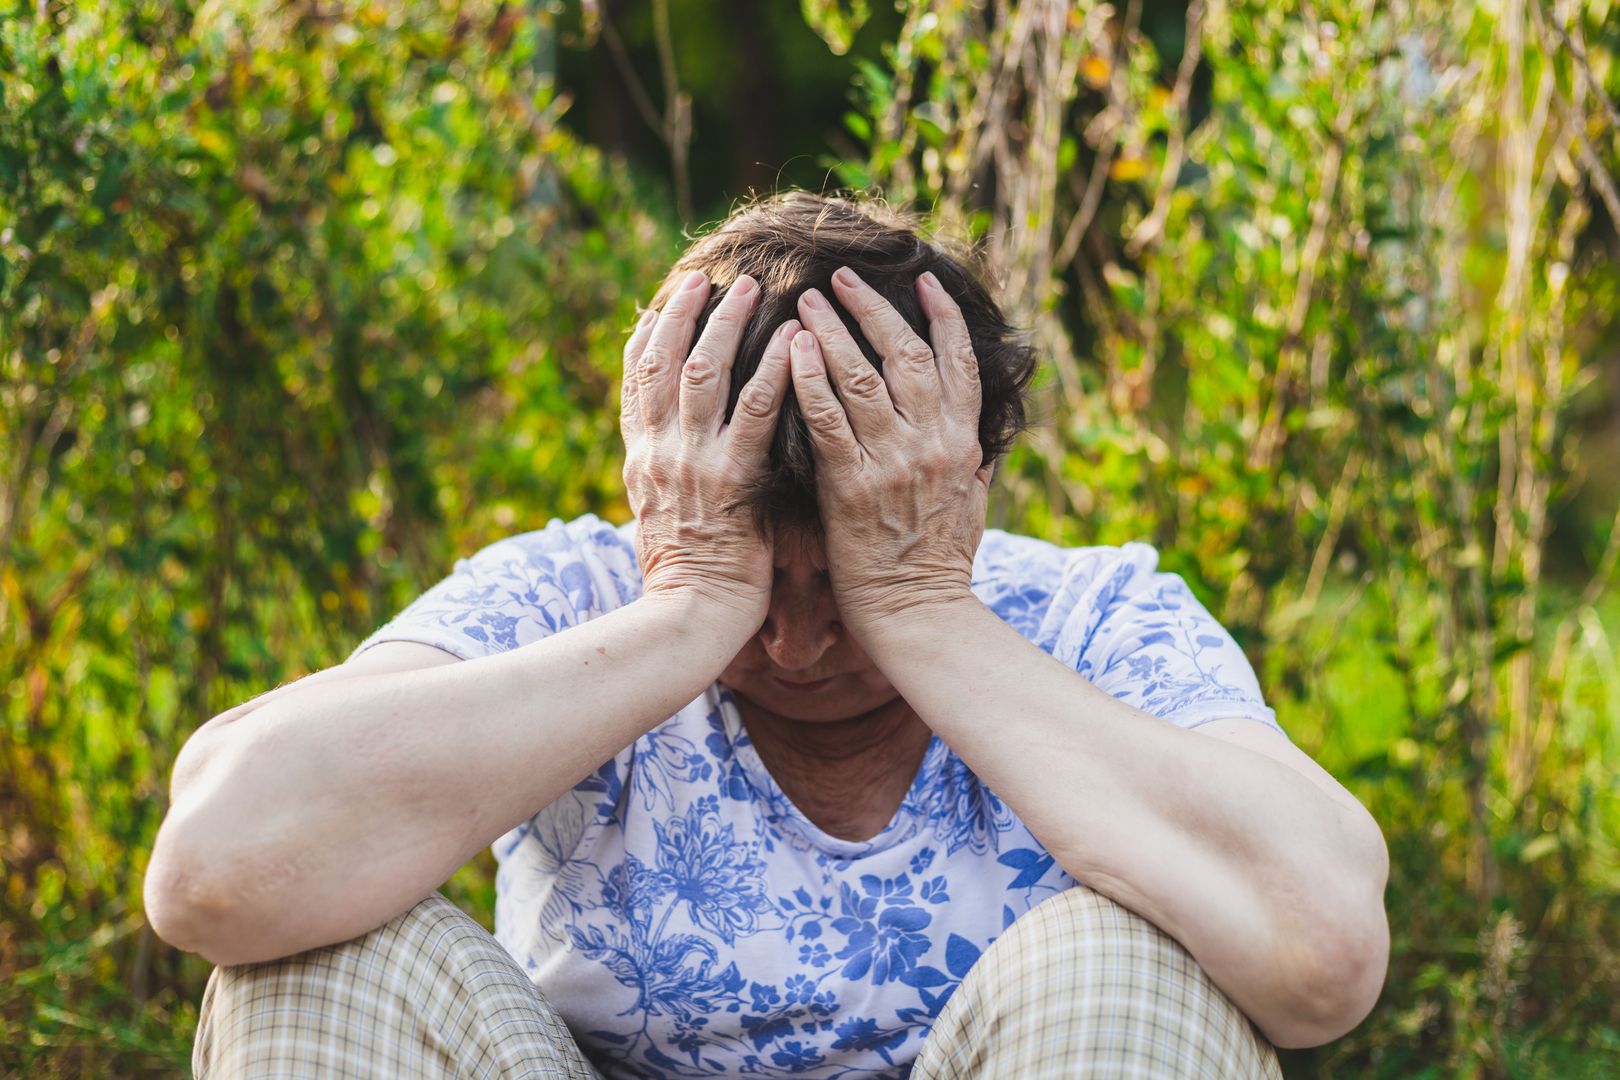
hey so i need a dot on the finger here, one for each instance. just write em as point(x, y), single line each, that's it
point(953, 346)
point(831, 437)
point(753, 421)
point(629, 382)
point(658, 373)
point(909, 370)
point(706, 374)
point(856, 382)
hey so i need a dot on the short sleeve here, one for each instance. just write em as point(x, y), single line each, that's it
point(517, 591)
point(1134, 631)
point(521, 589)
point(1156, 647)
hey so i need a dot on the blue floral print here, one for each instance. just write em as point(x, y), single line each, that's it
point(687, 920)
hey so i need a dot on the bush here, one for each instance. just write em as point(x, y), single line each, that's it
point(1323, 298)
point(299, 302)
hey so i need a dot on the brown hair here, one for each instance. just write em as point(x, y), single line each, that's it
point(795, 241)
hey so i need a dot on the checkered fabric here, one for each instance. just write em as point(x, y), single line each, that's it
point(1080, 986)
point(429, 995)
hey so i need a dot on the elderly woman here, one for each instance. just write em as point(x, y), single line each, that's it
point(803, 771)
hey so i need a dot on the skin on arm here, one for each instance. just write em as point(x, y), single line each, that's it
point(1229, 839)
point(321, 810)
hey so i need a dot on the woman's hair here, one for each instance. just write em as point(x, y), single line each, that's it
point(794, 241)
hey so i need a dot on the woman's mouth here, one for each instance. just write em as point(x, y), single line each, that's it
point(800, 686)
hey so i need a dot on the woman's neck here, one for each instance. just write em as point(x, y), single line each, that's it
point(847, 776)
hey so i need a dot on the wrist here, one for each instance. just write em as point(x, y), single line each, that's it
point(725, 617)
point(885, 620)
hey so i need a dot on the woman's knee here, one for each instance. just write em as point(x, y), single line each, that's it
point(430, 993)
point(1080, 983)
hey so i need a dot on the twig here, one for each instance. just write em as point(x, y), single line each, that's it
point(1149, 229)
point(677, 111)
point(632, 81)
point(1582, 64)
point(1601, 180)
point(674, 127)
point(1270, 435)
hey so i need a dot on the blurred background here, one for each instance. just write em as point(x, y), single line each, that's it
point(300, 301)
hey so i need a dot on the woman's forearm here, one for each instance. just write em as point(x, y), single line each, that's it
point(325, 812)
point(1273, 886)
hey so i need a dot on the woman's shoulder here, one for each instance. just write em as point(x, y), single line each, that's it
point(1038, 587)
point(521, 588)
point(1007, 560)
point(591, 559)
point(566, 538)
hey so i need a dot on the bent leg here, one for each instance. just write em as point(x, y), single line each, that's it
point(1080, 986)
point(430, 994)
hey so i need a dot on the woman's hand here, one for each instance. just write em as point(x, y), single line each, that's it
point(899, 479)
point(684, 466)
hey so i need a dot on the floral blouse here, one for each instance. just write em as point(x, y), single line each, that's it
point(682, 915)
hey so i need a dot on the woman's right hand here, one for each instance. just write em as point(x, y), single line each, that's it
point(685, 467)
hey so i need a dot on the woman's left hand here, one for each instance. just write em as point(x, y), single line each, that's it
point(899, 473)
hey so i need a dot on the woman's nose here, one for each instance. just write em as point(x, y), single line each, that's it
point(800, 627)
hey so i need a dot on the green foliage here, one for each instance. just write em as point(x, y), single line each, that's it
point(1324, 345)
point(295, 307)
point(298, 303)
point(836, 26)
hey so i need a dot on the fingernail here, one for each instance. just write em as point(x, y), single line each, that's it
point(646, 318)
point(804, 341)
point(847, 278)
point(694, 279)
point(815, 301)
point(743, 285)
point(927, 278)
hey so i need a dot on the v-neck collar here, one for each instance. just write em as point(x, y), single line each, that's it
point(782, 813)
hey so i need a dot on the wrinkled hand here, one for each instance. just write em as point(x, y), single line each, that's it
point(684, 466)
point(899, 480)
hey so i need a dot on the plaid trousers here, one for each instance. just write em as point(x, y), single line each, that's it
point(1078, 986)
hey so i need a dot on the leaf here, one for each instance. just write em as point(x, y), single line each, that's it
point(960, 955)
point(924, 976)
point(1539, 848)
point(1127, 168)
point(905, 918)
point(836, 26)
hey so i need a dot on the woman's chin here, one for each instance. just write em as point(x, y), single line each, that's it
point(838, 698)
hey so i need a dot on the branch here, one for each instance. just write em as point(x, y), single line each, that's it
point(632, 80)
point(674, 128)
point(1582, 64)
point(1149, 229)
point(677, 111)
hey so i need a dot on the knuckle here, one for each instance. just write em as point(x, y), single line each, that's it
point(653, 367)
point(700, 371)
point(864, 382)
point(821, 414)
point(916, 353)
point(865, 302)
point(658, 471)
point(756, 401)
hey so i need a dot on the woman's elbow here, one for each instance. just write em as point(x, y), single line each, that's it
point(208, 892)
point(1335, 981)
point(184, 897)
